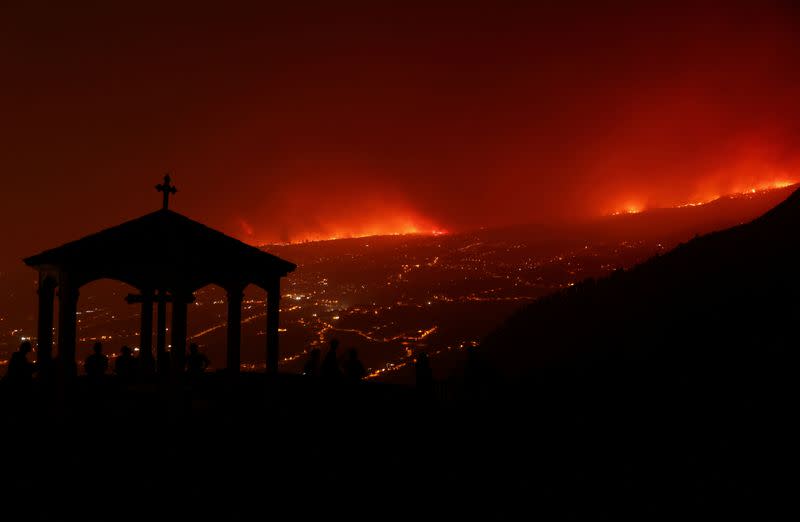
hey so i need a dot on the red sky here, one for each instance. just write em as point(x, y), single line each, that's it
point(290, 121)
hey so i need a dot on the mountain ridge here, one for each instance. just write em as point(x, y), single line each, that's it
point(685, 300)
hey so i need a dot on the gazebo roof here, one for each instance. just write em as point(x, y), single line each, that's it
point(163, 250)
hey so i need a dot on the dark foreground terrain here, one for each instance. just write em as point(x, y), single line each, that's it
point(597, 442)
point(666, 391)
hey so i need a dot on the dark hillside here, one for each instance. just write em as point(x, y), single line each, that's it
point(727, 295)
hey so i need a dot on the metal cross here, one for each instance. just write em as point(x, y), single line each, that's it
point(167, 189)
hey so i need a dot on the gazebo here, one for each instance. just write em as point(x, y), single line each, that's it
point(166, 257)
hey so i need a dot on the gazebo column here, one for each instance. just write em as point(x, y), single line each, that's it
point(146, 299)
point(235, 297)
point(273, 317)
point(44, 348)
point(146, 330)
point(178, 336)
point(67, 326)
point(161, 333)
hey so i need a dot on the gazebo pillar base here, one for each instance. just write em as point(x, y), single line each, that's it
point(146, 334)
point(235, 297)
point(178, 337)
point(67, 327)
point(44, 345)
point(273, 318)
point(162, 357)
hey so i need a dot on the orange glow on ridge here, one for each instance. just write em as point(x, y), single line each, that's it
point(740, 191)
point(629, 209)
point(375, 229)
point(399, 222)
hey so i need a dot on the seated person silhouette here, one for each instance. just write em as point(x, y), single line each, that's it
point(311, 367)
point(330, 365)
point(353, 369)
point(125, 365)
point(196, 361)
point(20, 369)
point(96, 364)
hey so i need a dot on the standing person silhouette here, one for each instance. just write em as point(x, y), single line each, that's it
point(19, 381)
point(96, 364)
point(311, 368)
point(196, 362)
point(353, 369)
point(146, 365)
point(20, 369)
point(474, 374)
point(125, 365)
point(330, 365)
point(424, 376)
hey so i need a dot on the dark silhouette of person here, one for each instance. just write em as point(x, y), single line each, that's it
point(311, 368)
point(473, 375)
point(424, 375)
point(146, 364)
point(125, 365)
point(196, 361)
point(164, 362)
point(330, 365)
point(19, 383)
point(353, 369)
point(20, 369)
point(471, 363)
point(96, 364)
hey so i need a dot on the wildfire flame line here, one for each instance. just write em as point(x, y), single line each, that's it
point(763, 187)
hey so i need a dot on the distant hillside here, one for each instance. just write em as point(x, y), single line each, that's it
point(688, 220)
point(724, 295)
point(668, 225)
